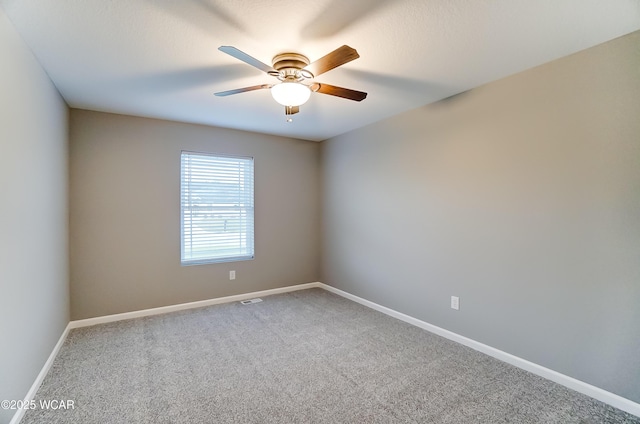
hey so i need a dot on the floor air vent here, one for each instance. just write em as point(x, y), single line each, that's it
point(251, 301)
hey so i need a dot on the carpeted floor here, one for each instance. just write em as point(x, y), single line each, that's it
point(302, 357)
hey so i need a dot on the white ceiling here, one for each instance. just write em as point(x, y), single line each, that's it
point(159, 58)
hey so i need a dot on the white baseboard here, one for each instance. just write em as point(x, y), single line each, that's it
point(191, 305)
point(570, 382)
point(43, 373)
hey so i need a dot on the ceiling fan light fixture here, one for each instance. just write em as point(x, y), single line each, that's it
point(290, 93)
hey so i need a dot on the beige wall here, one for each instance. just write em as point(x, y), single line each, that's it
point(125, 214)
point(522, 197)
point(34, 291)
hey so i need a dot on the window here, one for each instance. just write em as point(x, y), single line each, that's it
point(216, 196)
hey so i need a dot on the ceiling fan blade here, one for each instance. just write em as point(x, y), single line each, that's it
point(336, 58)
point(240, 55)
point(243, 90)
point(332, 90)
point(290, 110)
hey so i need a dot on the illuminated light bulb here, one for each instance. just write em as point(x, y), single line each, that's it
point(290, 93)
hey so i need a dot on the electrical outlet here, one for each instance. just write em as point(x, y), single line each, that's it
point(232, 275)
point(455, 302)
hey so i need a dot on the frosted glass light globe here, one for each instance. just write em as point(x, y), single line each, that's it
point(290, 93)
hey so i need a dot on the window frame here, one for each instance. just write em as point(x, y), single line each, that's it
point(249, 235)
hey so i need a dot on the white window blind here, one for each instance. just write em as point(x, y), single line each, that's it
point(217, 208)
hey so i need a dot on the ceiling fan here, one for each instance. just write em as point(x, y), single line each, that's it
point(295, 73)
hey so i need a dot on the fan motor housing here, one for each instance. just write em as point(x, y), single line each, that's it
point(285, 61)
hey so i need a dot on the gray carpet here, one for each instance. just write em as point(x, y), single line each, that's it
point(302, 357)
